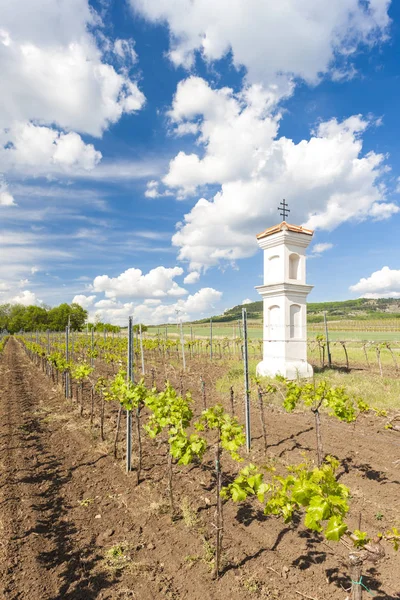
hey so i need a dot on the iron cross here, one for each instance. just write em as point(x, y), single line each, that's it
point(284, 211)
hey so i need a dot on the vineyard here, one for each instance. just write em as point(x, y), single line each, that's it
point(147, 484)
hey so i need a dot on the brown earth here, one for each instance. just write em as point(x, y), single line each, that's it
point(65, 502)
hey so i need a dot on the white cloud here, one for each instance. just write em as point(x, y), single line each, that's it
point(326, 179)
point(267, 38)
point(6, 199)
point(24, 250)
point(157, 283)
point(192, 277)
point(247, 301)
point(152, 189)
point(26, 298)
point(194, 306)
point(380, 211)
point(84, 301)
point(53, 70)
point(57, 83)
point(322, 247)
point(233, 128)
point(125, 50)
point(42, 150)
point(383, 283)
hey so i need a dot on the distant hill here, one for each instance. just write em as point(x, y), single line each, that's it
point(359, 309)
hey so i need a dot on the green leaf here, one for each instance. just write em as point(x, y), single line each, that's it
point(302, 492)
point(335, 529)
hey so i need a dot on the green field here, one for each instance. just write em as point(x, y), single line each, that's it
point(358, 331)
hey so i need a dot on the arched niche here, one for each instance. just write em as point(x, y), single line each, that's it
point(274, 313)
point(295, 321)
point(294, 266)
point(273, 268)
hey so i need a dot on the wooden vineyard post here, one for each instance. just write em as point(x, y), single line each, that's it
point(92, 348)
point(378, 356)
point(246, 380)
point(327, 342)
point(392, 355)
point(141, 347)
point(346, 354)
point(365, 354)
point(128, 412)
point(183, 346)
point(67, 359)
point(211, 339)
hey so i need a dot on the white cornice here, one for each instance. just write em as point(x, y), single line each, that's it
point(278, 289)
point(285, 237)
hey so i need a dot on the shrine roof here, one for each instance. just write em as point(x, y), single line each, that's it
point(284, 227)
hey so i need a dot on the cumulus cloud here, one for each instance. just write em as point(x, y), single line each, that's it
point(327, 178)
point(42, 150)
point(53, 70)
point(132, 283)
point(84, 301)
point(247, 301)
point(300, 39)
point(383, 283)
point(233, 128)
point(192, 277)
point(27, 298)
point(194, 306)
point(57, 84)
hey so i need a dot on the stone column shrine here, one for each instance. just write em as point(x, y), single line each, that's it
point(284, 294)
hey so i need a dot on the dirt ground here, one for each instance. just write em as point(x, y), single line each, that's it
point(74, 525)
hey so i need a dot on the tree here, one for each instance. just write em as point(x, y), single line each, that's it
point(59, 315)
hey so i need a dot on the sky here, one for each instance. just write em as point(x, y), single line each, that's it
point(145, 143)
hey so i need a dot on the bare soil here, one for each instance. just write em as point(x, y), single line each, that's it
point(65, 502)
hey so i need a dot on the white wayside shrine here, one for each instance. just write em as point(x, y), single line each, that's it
point(284, 296)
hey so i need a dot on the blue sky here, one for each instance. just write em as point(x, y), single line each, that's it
point(144, 144)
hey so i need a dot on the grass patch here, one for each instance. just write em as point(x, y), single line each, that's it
point(118, 556)
point(380, 392)
point(189, 515)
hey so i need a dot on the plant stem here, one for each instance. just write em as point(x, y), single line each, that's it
point(262, 417)
point(117, 430)
point(81, 388)
point(220, 520)
point(139, 436)
point(91, 404)
point(355, 573)
point(203, 392)
point(102, 416)
point(320, 451)
point(170, 491)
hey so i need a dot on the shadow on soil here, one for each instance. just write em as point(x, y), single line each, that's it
point(367, 470)
point(76, 569)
